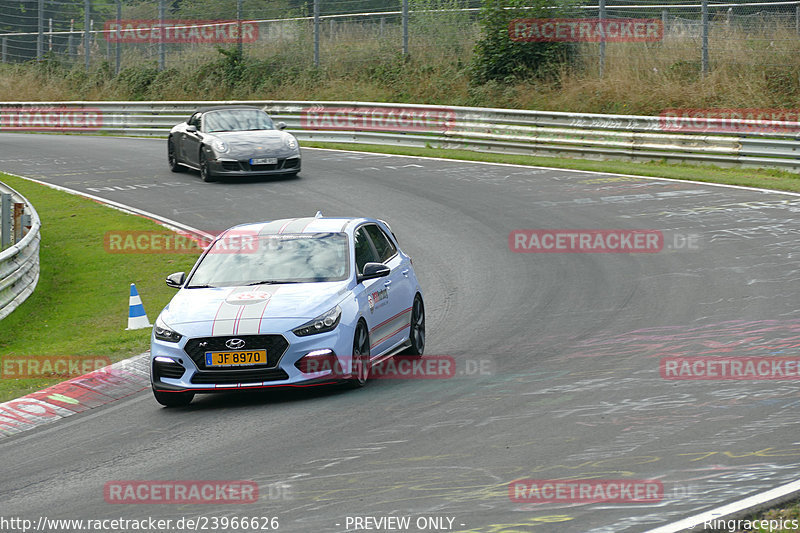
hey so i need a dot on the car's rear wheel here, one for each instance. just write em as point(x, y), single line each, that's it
point(173, 399)
point(172, 157)
point(417, 333)
point(359, 371)
point(205, 172)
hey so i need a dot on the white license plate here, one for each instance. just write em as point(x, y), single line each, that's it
point(264, 161)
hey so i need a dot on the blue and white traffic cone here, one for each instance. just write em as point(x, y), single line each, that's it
point(137, 318)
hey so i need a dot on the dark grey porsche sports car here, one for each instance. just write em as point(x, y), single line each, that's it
point(233, 141)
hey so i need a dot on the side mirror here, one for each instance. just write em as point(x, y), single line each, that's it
point(280, 125)
point(374, 270)
point(176, 280)
point(191, 129)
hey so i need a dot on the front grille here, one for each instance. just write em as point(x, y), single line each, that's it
point(275, 345)
point(281, 165)
point(262, 168)
point(231, 165)
point(230, 377)
point(167, 370)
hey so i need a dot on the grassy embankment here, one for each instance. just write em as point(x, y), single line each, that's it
point(80, 306)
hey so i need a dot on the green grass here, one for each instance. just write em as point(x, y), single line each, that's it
point(763, 178)
point(80, 306)
point(785, 513)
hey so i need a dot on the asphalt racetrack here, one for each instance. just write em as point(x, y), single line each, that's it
point(558, 354)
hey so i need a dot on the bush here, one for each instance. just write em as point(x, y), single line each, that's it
point(497, 57)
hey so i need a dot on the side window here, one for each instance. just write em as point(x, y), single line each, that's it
point(195, 120)
point(364, 251)
point(382, 243)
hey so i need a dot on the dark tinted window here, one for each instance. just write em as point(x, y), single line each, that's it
point(195, 120)
point(236, 120)
point(364, 252)
point(382, 243)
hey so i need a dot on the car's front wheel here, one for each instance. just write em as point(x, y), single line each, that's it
point(173, 399)
point(205, 172)
point(417, 333)
point(359, 371)
point(172, 157)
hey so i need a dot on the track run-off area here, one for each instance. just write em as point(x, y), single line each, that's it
point(559, 355)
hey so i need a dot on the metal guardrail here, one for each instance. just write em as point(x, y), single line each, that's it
point(19, 264)
point(546, 133)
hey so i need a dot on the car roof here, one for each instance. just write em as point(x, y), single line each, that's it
point(302, 225)
point(225, 107)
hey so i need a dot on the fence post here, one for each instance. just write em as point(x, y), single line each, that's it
point(40, 31)
point(162, 56)
point(239, 24)
point(602, 59)
point(70, 51)
point(405, 27)
point(5, 220)
point(704, 17)
point(118, 45)
point(87, 22)
point(50, 36)
point(5, 49)
point(664, 21)
point(797, 19)
point(316, 33)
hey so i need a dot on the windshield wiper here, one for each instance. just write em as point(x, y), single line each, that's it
point(272, 282)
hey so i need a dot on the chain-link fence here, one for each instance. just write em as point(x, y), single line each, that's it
point(693, 38)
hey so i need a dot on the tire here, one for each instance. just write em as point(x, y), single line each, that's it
point(172, 158)
point(205, 173)
point(173, 399)
point(417, 332)
point(359, 371)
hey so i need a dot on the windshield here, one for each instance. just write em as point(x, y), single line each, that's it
point(289, 258)
point(236, 120)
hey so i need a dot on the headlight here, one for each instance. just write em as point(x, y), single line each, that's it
point(219, 145)
point(322, 324)
point(163, 333)
point(291, 142)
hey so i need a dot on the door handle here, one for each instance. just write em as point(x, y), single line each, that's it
point(405, 272)
point(387, 283)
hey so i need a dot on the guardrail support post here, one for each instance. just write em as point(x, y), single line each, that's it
point(5, 220)
point(19, 209)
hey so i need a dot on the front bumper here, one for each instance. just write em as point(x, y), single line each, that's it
point(178, 367)
point(242, 167)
